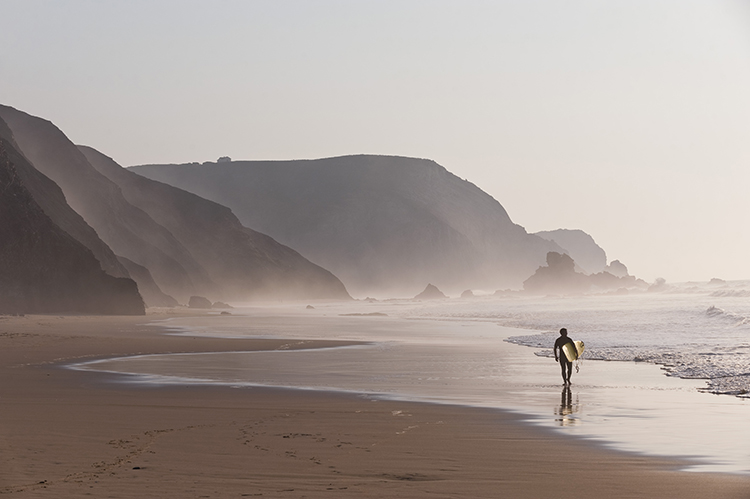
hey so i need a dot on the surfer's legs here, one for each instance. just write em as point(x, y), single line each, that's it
point(566, 366)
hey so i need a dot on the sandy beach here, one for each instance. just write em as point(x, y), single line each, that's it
point(66, 433)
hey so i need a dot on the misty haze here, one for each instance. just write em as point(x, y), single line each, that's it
point(374, 249)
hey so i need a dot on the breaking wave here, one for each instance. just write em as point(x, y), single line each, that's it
point(719, 313)
point(732, 293)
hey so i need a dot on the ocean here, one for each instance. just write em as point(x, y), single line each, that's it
point(664, 373)
point(693, 330)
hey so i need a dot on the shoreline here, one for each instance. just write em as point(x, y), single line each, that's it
point(69, 432)
point(623, 406)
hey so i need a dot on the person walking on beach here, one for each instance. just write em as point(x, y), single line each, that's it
point(565, 364)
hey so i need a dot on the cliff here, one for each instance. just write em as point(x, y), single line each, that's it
point(380, 223)
point(42, 268)
point(246, 263)
point(51, 199)
point(178, 244)
point(128, 231)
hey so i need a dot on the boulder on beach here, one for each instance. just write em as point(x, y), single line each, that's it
point(467, 294)
point(431, 292)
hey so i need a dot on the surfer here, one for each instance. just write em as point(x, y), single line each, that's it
point(565, 364)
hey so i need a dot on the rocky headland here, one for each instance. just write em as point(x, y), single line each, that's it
point(383, 224)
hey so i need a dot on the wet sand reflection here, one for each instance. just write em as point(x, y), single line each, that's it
point(567, 409)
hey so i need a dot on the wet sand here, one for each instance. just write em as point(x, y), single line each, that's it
point(67, 433)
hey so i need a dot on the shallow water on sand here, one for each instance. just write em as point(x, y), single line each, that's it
point(418, 353)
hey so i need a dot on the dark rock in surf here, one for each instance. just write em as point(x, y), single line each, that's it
point(560, 277)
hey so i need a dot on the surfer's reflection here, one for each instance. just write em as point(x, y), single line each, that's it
point(567, 408)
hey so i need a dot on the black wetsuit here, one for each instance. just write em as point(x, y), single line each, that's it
point(565, 364)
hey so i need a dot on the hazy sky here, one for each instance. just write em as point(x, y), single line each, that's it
point(627, 119)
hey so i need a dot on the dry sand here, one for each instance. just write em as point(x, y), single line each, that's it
point(66, 433)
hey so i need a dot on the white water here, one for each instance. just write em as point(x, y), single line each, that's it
point(454, 352)
point(693, 331)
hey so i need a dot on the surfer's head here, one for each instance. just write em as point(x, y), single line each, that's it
point(563, 332)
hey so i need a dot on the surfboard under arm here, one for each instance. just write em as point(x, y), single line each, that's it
point(573, 354)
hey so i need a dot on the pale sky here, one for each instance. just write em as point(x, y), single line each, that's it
point(628, 119)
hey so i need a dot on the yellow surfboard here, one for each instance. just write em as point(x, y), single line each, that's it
point(572, 354)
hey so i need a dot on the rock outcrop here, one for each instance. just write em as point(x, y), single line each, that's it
point(43, 269)
point(199, 302)
point(581, 247)
point(430, 292)
point(380, 223)
point(617, 269)
point(559, 277)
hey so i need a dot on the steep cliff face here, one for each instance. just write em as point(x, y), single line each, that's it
point(51, 199)
point(128, 231)
point(42, 268)
point(224, 260)
point(150, 291)
point(380, 223)
point(246, 263)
